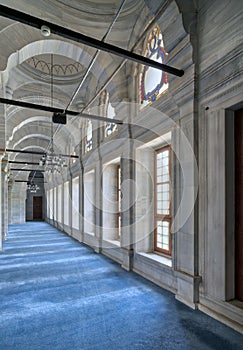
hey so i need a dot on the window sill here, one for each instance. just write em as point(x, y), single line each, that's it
point(89, 233)
point(116, 242)
point(158, 258)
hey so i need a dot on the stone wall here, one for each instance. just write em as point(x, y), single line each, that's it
point(220, 93)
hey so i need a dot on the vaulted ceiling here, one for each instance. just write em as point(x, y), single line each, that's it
point(25, 64)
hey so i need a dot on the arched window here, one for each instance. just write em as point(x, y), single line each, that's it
point(110, 127)
point(88, 141)
point(153, 81)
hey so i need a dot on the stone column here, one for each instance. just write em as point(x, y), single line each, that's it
point(71, 204)
point(213, 211)
point(185, 214)
point(52, 202)
point(98, 186)
point(128, 194)
point(3, 124)
point(128, 173)
point(98, 206)
point(81, 199)
point(127, 206)
point(17, 202)
point(55, 194)
point(98, 134)
point(4, 197)
point(10, 185)
point(62, 212)
point(2, 179)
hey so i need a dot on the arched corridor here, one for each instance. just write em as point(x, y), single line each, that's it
point(121, 138)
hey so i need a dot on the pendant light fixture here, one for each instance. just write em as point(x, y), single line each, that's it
point(51, 161)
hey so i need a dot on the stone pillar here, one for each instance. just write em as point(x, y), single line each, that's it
point(17, 201)
point(62, 211)
point(4, 198)
point(10, 185)
point(127, 206)
point(98, 186)
point(98, 134)
point(214, 212)
point(127, 92)
point(128, 173)
point(185, 226)
point(71, 204)
point(81, 200)
point(127, 191)
point(98, 207)
point(55, 190)
point(2, 176)
point(2, 124)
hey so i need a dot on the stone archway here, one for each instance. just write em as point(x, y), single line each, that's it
point(35, 196)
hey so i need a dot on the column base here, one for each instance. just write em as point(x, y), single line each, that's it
point(188, 289)
point(128, 255)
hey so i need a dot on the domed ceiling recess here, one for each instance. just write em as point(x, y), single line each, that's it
point(63, 66)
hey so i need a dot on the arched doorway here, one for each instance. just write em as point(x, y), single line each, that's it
point(35, 197)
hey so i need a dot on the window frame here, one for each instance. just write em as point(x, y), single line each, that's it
point(162, 217)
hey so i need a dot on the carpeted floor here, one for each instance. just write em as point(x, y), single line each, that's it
point(57, 294)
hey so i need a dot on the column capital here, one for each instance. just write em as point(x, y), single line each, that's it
point(3, 157)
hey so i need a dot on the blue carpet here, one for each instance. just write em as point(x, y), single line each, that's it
point(57, 294)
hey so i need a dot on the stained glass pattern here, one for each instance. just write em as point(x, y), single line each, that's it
point(110, 127)
point(153, 82)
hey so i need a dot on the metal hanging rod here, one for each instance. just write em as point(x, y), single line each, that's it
point(57, 110)
point(25, 163)
point(36, 152)
point(19, 169)
point(20, 151)
point(28, 181)
point(83, 39)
